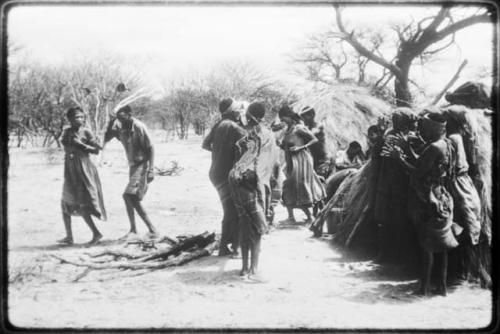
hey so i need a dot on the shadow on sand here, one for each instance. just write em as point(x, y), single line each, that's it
point(62, 247)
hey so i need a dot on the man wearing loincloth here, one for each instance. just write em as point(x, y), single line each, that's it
point(138, 146)
point(221, 142)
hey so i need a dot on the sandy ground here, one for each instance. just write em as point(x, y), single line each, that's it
point(309, 283)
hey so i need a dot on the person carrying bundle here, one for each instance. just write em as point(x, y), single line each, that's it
point(248, 181)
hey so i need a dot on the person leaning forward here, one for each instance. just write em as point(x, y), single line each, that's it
point(221, 142)
point(139, 149)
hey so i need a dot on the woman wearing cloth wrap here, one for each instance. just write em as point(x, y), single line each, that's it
point(465, 195)
point(302, 187)
point(430, 204)
point(221, 142)
point(248, 180)
point(82, 193)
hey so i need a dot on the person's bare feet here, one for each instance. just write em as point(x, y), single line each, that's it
point(244, 272)
point(151, 235)
point(224, 250)
point(65, 241)
point(289, 220)
point(257, 276)
point(129, 236)
point(95, 239)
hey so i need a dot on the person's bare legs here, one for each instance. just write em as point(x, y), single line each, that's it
point(68, 240)
point(255, 253)
point(131, 215)
point(136, 203)
point(427, 260)
point(245, 249)
point(291, 217)
point(96, 235)
point(442, 270)
point(307, 212)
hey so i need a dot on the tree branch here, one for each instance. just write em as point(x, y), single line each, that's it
point(349, 38)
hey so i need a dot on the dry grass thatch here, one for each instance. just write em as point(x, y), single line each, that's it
point(353, 198)
point(346, 112)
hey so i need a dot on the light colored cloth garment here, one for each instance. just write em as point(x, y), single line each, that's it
point(465, 195)
point(302, 186)
point(82, 192)
point(136, 141)
point(250, 181)
point(138, 180)
point(137, 144)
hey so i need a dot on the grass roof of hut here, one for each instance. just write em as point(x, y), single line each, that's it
point(346, 112)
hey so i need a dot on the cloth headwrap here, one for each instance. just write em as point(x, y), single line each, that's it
point(435, 128)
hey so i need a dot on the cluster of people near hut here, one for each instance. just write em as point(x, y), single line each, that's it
point(422, 188)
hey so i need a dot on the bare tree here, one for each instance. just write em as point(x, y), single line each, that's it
point(324, 58)
point(422, 39)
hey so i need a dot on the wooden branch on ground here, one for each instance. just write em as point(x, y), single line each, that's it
point(153, 265)
point(450, 83)
point(184, 251)
point(200, 241)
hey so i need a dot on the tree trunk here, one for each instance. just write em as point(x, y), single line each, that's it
point(401, 84)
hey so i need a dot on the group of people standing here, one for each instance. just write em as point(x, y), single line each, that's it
point(82, 192)
point(247, 217)
point(422, 178)
point(424, 193)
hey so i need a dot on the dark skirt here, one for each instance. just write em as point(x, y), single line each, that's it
point(431, 209)
point(82, 192)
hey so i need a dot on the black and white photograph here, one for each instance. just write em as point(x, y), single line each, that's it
point(226, 166)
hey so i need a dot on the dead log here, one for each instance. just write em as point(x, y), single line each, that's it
point(199, 241)
point(153, 265)
point(116, 254)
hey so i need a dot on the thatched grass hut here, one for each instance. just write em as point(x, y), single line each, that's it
point(346, 112)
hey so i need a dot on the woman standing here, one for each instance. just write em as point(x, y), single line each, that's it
point(302, 187)
point(82, 193)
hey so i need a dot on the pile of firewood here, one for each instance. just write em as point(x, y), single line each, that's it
point(146, 255)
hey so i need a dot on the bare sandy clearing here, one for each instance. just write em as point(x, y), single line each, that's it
point(309, 283)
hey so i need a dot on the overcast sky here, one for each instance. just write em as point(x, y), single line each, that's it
point(166, 38)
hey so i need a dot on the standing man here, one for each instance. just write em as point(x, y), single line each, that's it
point(221, 142)
point(136, 141)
